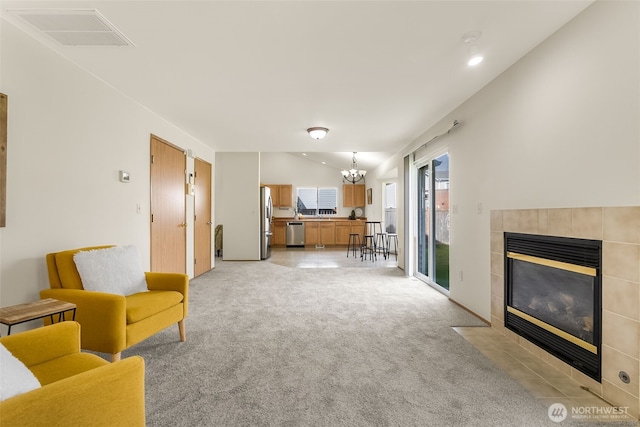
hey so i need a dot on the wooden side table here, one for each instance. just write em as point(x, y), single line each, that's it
point(21, 313)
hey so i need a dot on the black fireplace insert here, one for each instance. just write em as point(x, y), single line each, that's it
point(553, 293)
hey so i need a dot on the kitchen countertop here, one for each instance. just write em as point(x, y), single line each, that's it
point(314, 218)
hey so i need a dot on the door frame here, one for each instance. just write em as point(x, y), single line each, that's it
point(416, 165)
point(156, 138)
point(209, 203)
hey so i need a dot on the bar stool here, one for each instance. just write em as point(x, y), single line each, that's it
point(381, 242)
point(372, 228)
point(355, 239)
point(368, 247)
point(394, 237)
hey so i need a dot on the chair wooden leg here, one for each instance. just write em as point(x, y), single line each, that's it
point(183, 335)
point(116, 356)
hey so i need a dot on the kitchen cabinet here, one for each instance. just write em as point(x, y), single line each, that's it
point(319, 233)
point(327, 232)
point(357, 227)
point(275, 194)
point(311, 234)
point(281, 195)
point(279, 237)
point(343, 229)
point(353, 195)
point(286, 196)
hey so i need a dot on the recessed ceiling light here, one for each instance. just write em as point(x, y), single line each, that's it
point(475, 60)
point(475, 57)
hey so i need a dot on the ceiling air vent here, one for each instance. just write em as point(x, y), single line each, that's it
point(75, 27)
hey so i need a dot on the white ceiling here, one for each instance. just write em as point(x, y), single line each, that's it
point(254, 75)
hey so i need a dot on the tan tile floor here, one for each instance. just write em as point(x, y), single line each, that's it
point(541, 379)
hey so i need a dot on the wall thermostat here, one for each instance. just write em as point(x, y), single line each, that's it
point(124, 176)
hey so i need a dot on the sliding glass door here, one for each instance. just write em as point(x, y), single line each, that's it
point(433, 222)
point(424, 224)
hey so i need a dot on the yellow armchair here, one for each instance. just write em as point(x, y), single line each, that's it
point(77, 389)
point(112, 323)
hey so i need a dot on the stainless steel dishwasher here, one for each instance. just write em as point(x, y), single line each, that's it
point(295, 234)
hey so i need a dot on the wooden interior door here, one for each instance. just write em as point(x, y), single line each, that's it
point(168, 207)
point(202, 217)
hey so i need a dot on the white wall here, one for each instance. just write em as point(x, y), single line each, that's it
point(376, 180)
point(560, 128)
point(68, 136)
point(285, 168)
point(387, 172)
point(238, 204)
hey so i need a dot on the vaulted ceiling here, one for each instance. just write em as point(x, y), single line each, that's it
point(254, 75)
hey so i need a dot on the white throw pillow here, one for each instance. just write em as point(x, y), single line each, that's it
point(15, 377)
point(115, 270)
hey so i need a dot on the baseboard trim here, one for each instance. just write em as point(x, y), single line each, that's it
point(482, 319)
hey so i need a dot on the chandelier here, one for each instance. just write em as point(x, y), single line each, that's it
point(354, 174)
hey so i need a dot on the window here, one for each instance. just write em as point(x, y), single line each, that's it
point(327, 201)
point(307, 201)
point(317, 201)
point(390, 211)
point(390, 195)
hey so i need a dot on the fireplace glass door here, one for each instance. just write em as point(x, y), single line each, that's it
point(557, 297)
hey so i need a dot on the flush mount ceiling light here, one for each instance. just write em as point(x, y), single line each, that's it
point(317, 132)
point(354, 174)
point(475, 57)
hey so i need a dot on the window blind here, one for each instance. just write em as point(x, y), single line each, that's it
point(327, 198)
point(307, 198)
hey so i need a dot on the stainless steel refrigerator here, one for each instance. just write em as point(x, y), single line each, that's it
point(266, 217)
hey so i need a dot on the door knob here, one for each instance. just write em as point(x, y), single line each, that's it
point(209, 223)
point(184, 224)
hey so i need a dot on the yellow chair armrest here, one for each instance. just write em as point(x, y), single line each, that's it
point(103, 317)
point(167, 282)
point(111, 395)
point(110, 308)
point(170, 282)
point(43, 344)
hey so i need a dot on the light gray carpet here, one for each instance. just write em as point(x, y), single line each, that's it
point(269, 345)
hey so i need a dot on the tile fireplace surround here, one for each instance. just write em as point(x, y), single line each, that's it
point(619, 230)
